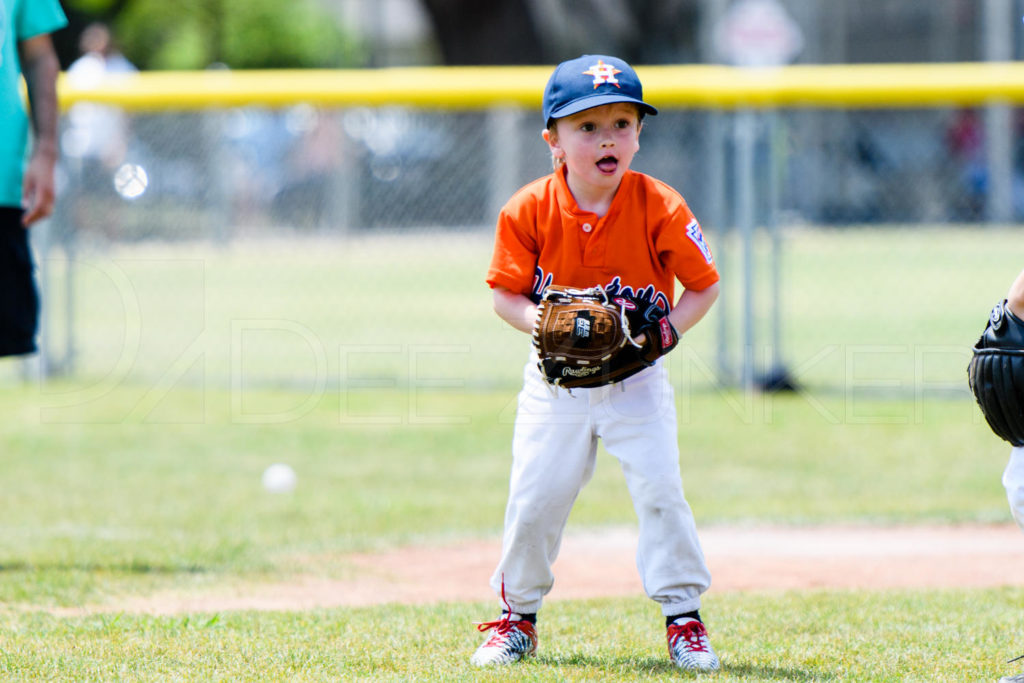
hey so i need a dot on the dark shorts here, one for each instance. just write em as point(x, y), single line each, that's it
point(19, 298)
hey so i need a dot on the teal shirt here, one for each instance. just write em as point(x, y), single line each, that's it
point(19, 20)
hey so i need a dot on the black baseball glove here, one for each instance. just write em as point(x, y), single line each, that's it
point(652, 321)
point(996, 374)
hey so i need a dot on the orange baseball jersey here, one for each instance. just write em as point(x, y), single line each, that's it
point(637, 250)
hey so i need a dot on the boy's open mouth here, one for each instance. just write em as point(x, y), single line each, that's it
point(607, 164)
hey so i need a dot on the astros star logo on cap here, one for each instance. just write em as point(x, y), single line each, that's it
point(603, 73)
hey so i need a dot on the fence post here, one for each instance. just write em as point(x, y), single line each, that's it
point(999, 23)
point(716, 148)
point(502, 126)
point(746, 138)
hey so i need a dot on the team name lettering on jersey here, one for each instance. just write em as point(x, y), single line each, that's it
point(640, 299)
point(541, 282)
point(643, 299)
point(625, 303)
point(693, 231)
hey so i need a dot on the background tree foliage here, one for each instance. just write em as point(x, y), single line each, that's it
point(492, 32)
point(254, 34)
point(193, 34)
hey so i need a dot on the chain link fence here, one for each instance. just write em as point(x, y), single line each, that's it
point(314, 247)
point(237, 174)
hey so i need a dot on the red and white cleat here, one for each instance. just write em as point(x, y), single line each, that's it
point(512, 640)
point(689, 647)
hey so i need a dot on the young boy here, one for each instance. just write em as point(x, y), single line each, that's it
point(596, 222)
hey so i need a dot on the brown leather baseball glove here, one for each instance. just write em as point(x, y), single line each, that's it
point(583, 339)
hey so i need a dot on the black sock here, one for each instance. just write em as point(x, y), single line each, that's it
point(695, 614)
point(532, 618)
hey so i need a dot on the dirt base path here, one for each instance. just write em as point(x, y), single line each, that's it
point(597, 564)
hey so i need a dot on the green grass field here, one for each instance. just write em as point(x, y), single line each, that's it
point(144, 474)
point(811, 636)
point(100, 511)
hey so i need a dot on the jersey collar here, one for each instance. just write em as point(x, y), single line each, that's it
point(568, 202)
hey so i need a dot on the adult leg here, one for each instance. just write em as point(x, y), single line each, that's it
point(19, 298)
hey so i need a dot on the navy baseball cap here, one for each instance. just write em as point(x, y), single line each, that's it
point(590, 81)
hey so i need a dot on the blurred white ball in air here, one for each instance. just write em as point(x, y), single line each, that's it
point(279, 478)
point(131, 181)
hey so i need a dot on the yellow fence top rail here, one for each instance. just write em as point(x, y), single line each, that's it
point(700, 86)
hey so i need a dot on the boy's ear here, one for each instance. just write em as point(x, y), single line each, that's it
point(551, 138)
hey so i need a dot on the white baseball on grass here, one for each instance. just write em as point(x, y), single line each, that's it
point(279, 478)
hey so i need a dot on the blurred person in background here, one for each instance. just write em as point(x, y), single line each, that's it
point(27, 186)
point(966, 143)
point(99, 53)
point(96, 139)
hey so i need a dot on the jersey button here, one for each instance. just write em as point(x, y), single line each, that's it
point(587, 227)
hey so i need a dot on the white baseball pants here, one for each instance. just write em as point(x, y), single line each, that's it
point(554, 451)
point(1013, 482)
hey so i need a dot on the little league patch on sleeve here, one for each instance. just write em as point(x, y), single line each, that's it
point(697, 237)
